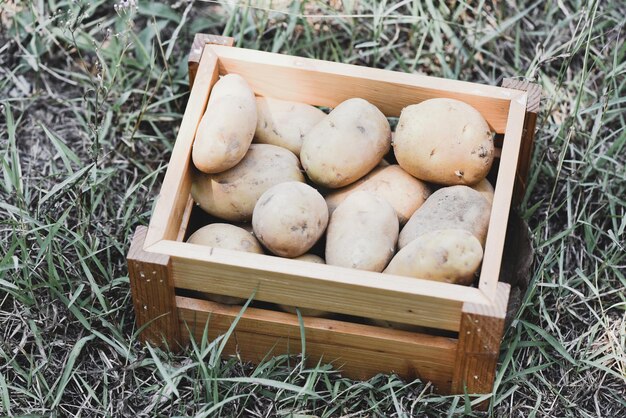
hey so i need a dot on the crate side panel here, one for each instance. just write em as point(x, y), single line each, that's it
point(165, 221)
point(323, 83)
point(360, 350)
point(501, 206)
point(309, 292)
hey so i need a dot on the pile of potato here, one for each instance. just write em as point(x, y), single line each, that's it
point(290, 176)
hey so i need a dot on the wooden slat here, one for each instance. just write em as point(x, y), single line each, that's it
point(152, 292)
point(184, 223)
point(360, 350)
point(323, 83)
point(494, 245)
point(170, 206)
point(482, 327)
point(307, 285)
point(532, 108)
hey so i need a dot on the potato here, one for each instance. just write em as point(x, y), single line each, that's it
point(486, 189)
point(230, 237)
point(228, 86)
point(444, 141)
point(403, 191)
point(220, 235)
point(446, 255)
point(290, 218)
point(345, 145)
point(232, 194)
point(310, 258)
point(383, 323)
point(454, 207)
point(284, 123)
point(362, 233)
point(227, 127)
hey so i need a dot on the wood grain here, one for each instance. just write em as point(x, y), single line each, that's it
point(195, 53)
point(170, 206)
point(153, 293)
point(528, 136)
point(360, 350)
point(482, 327)
point(307, 285)
point(324, 83)
point(501, 206)
point(184, 223)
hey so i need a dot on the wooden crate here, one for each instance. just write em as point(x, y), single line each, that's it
point(459, 348)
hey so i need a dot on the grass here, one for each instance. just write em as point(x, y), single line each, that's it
point(90, 100)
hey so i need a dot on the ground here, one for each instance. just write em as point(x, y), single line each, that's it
point(91, 95)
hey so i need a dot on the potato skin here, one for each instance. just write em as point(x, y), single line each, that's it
point(486, 189)
point(232, 194)
point(446, 255)
point(289, 218)
point(404, 192)
point(454, 207)
point(310, 258)
point(284, 123)
point(444, 141)
point(227, 126)
point(362, 233)
point(230, 237)
point(345, 145)
point(228, 86)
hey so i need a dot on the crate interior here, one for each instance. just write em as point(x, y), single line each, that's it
point(327, 84)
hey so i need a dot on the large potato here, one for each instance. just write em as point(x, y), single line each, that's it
point(446, 255)
point(404, 192)
point(230, 237)
point(289, 218)
point(362, 233)
point(232, 194)
point(444, 141)
point(227, 127)
point(284, 123)
point(345, 145)
point(486, 189)
point(228, 86)
point(454, 207)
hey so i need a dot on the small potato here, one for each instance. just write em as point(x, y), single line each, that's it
point(403, 191)
point(306, 311)
point(455, 207)
point(444, 141)
point(346, 145)
point(310, 258)
point(232, 194)
point(227, 127)
point(230, 237)
point(486, 189)
point(447, 255)
point(284, 123)
point(362, 233)
point(397, 325)
point(289, 218)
